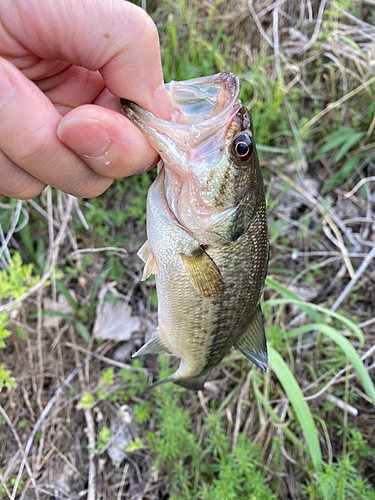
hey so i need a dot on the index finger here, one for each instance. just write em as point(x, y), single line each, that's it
point(115, 37)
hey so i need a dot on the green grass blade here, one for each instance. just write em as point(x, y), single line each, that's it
point(343, 173)
point(272, 149)
point(301, 408)
point(289, 434)
point(347, 146)
point(334, 140)
point(275, 285)
point(82, 330)
point(64, 291)
point(347, 348)
point(314, 307)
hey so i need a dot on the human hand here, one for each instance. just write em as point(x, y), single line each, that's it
point(61, 65)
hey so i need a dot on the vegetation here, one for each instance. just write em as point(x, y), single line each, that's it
point(74, 407)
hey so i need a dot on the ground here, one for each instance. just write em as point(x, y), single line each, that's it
point(75, 421)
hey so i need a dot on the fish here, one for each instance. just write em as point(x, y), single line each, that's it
point(206, 227)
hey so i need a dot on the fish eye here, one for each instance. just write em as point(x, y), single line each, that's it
point(243, 147)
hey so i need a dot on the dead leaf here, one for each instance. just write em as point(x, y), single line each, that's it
point(114, 321)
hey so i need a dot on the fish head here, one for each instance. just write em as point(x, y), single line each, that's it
point(212, 176)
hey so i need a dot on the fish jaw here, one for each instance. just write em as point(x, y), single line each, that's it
point(204, 109)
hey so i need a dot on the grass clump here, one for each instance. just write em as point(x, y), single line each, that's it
point(210, 469)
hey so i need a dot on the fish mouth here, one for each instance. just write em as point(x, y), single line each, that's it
point(203, 108)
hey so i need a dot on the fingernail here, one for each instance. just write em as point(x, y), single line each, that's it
point(85, 136)
point(6, 87)
point(162, 103)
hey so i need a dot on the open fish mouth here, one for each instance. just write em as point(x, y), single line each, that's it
point(203, 109)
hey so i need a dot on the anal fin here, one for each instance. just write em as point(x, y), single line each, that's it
point(252, 343)
point(155, 345)
point(203, 273)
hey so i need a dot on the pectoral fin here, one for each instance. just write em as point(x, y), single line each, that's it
point(155, 345)
point(252, 343)
point(148, 258)
point(203, 273)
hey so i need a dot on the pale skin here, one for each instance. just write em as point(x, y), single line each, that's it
point(64, 64)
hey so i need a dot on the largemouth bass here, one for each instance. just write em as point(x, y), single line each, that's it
point(207, 228)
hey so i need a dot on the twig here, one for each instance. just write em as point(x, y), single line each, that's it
point(90, 430)
point(12, 229)
point(336, 104)
point(37, 426)
point(360, 184)
point(244, 391)
point(276, 40)
point(338, 375)
point(43, 212)
point(326, 217)
point(342, 405)
point(103, 358)
point(119, 250)
point(29, 471)
point(123, 478)
point(362, 268)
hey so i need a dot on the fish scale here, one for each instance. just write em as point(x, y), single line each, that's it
point(209, 253)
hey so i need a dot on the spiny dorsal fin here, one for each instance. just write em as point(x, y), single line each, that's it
point(155, 345)
point(252, 343)
point(203, 273)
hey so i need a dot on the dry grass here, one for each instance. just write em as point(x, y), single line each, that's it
point(323, 250)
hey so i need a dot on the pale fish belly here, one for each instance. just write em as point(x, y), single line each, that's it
point(198, 330)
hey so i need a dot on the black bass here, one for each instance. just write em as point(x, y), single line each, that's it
point(207, 228)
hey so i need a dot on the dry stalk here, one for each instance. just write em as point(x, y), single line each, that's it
point(39, 424)
point(90, 430)
point(18, 441)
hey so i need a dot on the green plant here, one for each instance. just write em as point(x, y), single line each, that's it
point(210, 470)
point(350, 144)
point(104, 436)
point(15, 280)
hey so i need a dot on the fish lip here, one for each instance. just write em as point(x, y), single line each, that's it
point(143, 118)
